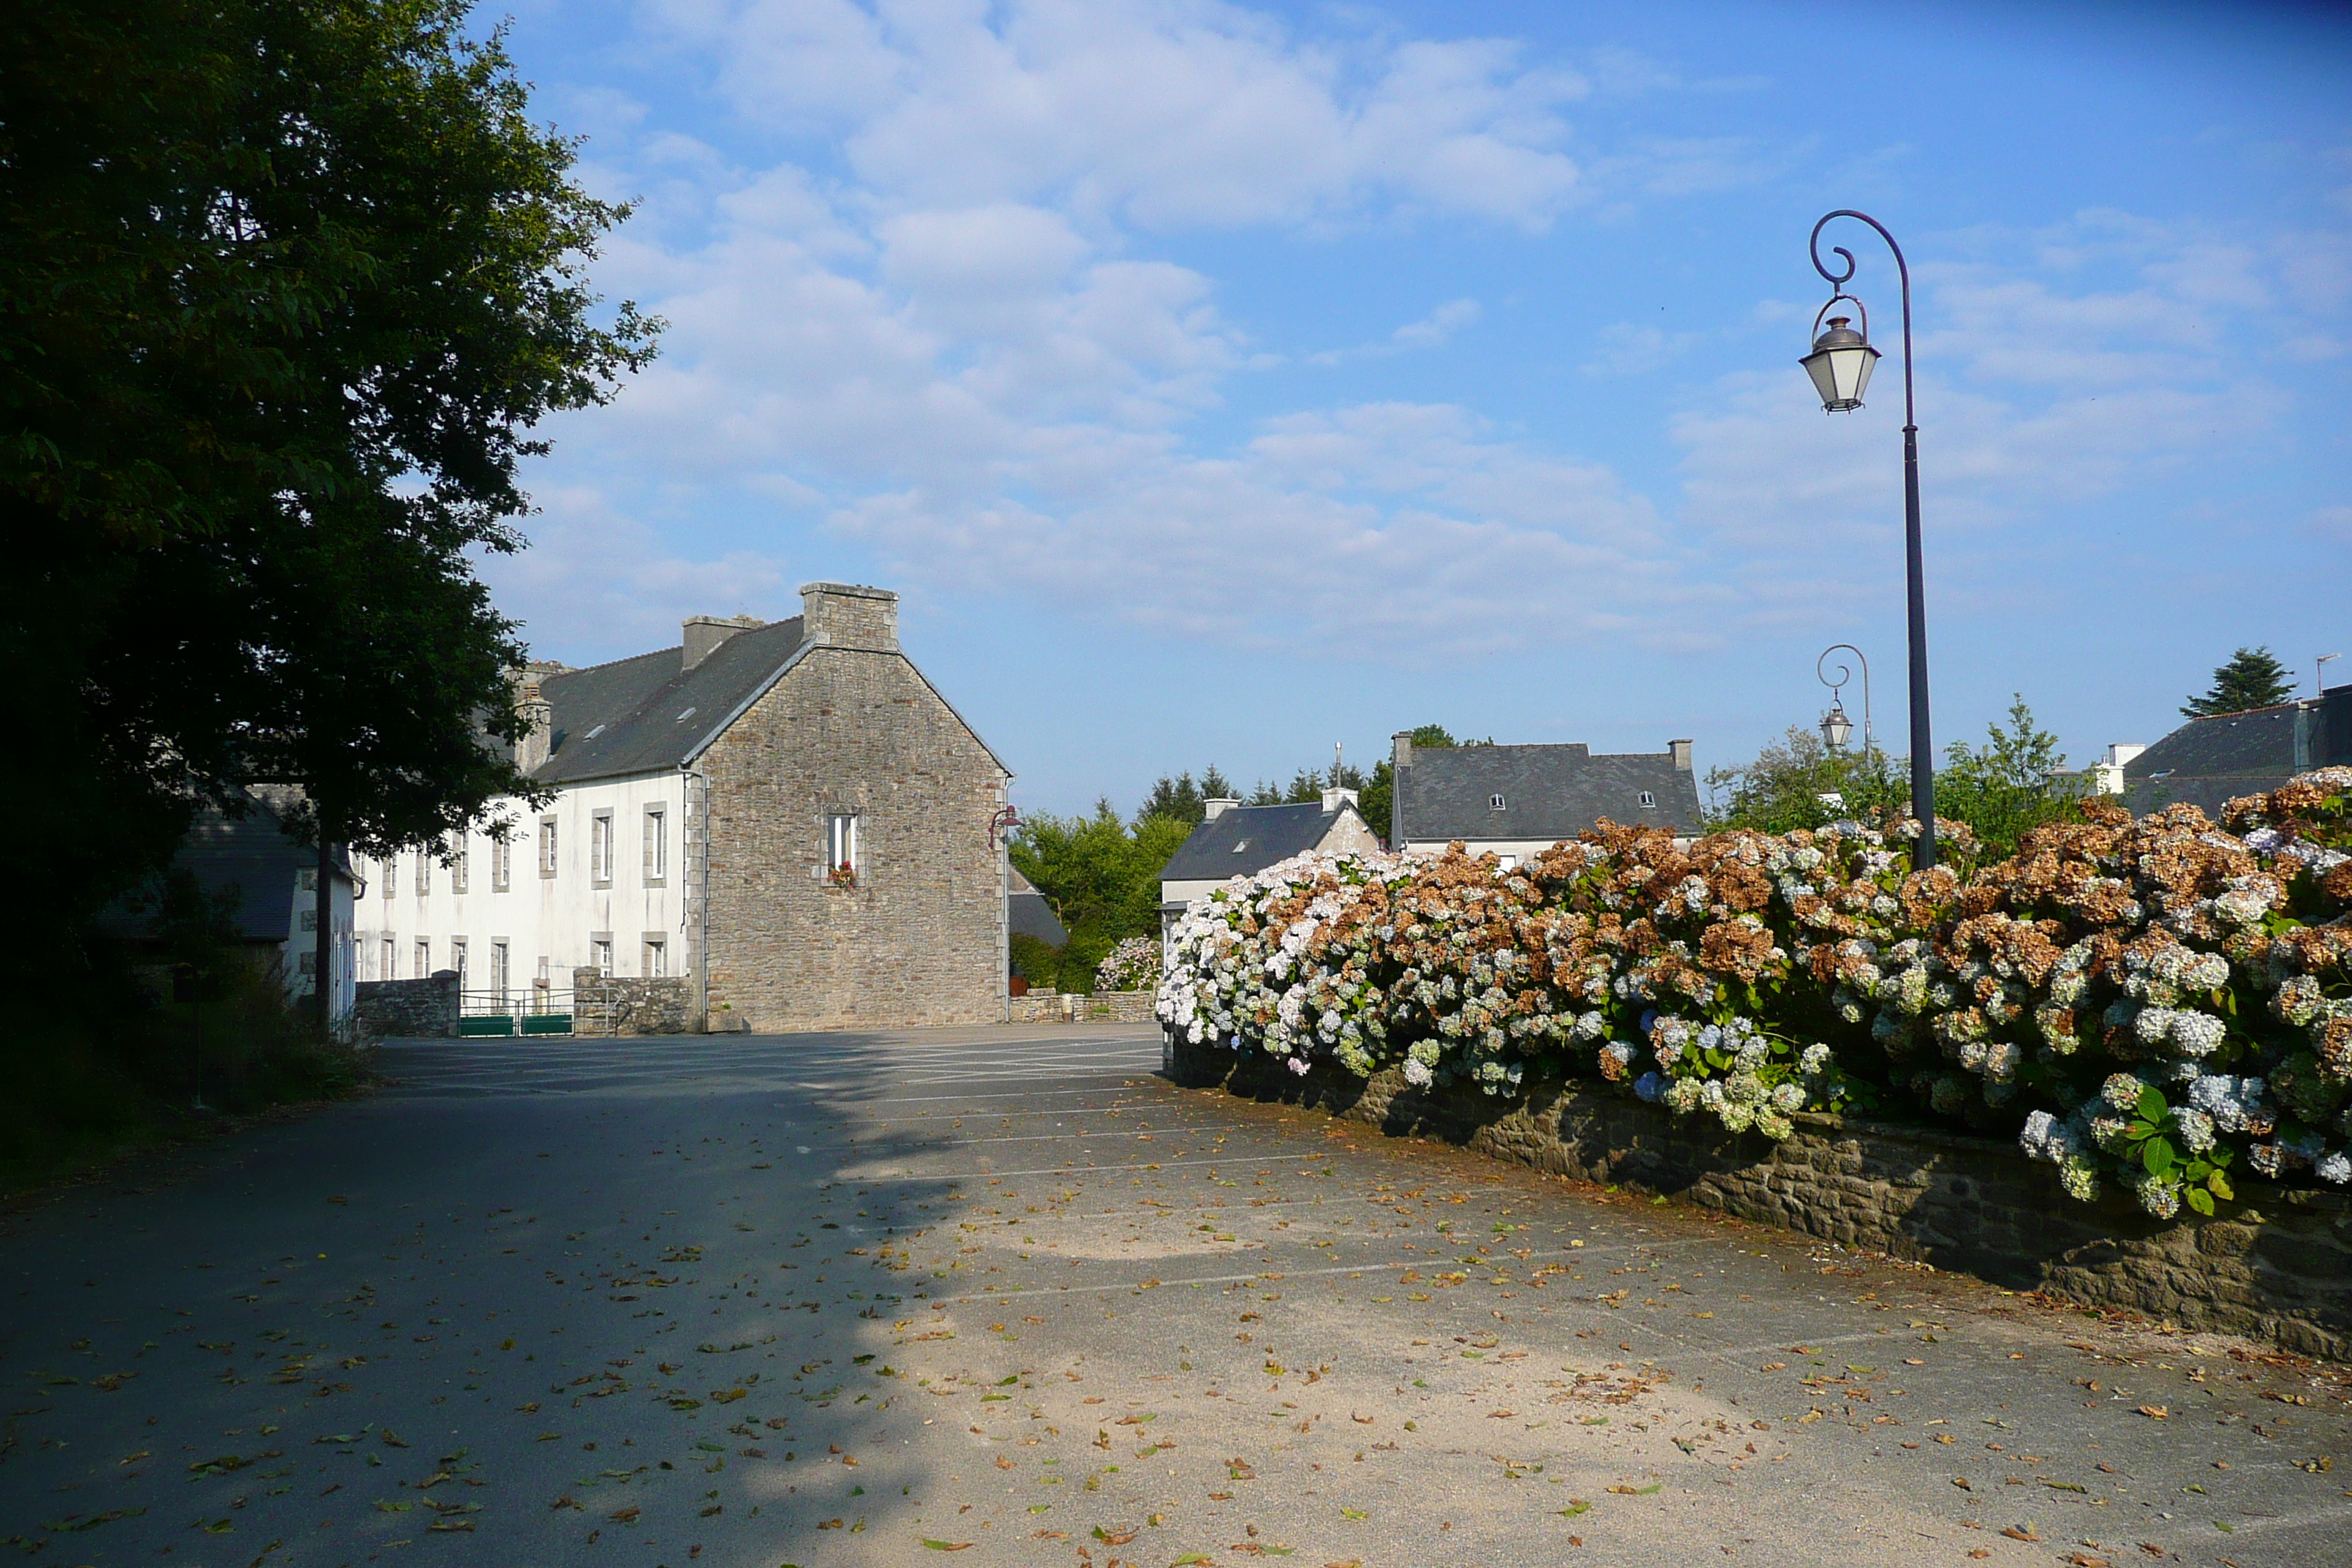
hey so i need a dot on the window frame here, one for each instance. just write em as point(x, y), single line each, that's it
point(655, 836)
point(653, 958)
point(461, 864)
point(501, 966)
point(550, 845)
point(844, 842)
point(501, 862)
point(601, 848)
point(423, 948)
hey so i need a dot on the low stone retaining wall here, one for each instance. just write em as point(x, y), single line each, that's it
point(1071, 1007)
point(2277, 1266)
point(406, 1009)
point(608, 1004)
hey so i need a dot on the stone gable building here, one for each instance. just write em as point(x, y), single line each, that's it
point(789, 818)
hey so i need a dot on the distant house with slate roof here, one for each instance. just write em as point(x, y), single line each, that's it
point(2208, 761)
point(1519, 801)
point(1237, 840)
point(790, 817)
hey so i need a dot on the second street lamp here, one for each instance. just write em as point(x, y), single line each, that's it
point(1840, 366)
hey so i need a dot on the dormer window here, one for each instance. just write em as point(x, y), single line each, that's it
point(1495, 803)
point(1648, 799)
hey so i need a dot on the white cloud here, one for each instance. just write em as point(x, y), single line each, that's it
point(1432, 332)
point(1165, 113)
point(1397, 527)
point(1628, 350)
point(596, 578)
point(957, 347)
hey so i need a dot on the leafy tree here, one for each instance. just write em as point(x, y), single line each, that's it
point(286, 285)
point(2004, 789)
point(1182, 799)
point(2251, 678)
point(1797, 782)
point(1101, 878)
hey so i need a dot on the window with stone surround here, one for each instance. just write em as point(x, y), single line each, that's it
point(501, 863)
point(546, 846)
point(461, 863)
point(842, 849)
point(656, 868)
point(600, 849)
point(656, 956)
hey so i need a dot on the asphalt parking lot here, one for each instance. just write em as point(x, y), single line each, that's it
point(1006, 1296)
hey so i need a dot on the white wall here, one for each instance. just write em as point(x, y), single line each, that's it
point(551, 918)
point(302, 946)
point(1514, 851)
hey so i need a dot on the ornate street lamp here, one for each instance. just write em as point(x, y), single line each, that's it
point(1840, 366)
point(1836, 727)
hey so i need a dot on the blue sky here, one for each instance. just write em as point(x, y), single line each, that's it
point(1216, 382)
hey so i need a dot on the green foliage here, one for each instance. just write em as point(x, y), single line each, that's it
point(2252, 679)
point(1182, 799)
point(1797, 782)
point(2002, 789)
point(2154, 1142)
point(286, 285)
point(1101, 878)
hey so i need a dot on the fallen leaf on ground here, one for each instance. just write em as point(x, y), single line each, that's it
point(2154, 1412)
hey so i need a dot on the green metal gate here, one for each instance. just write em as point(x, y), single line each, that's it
point(540, 1010)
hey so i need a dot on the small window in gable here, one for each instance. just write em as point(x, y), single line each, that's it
point(1495, 803)
point(1649, 799)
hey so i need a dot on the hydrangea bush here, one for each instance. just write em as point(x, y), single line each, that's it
point(1132, 965)
point(2148, 1003)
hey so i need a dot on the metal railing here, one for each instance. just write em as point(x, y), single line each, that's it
point(530, 1010)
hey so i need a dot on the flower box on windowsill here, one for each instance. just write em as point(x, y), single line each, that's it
point(844, 876)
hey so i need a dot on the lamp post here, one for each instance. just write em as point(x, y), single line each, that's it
point(1840, 366)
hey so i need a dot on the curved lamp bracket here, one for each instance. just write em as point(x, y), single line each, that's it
point(1853, 299)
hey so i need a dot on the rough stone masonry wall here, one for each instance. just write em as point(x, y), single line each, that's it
point(406, 1009)
point(2277, 1266)
point(1072, 1007)
point(919, 939)
point(616, 1004)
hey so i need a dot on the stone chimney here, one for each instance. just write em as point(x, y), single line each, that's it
point(1681, 751)
point(1402, 757)
point(705, 633)
point(532, 750)
point(842, 614)
point(1218, 808)
point(1333, 799)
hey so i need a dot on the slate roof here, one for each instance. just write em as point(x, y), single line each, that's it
point(1026, 912)
point(251, 855)
point(1549, 793)
point(1246, 839)
point(2208, 761)
point(646, 714)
